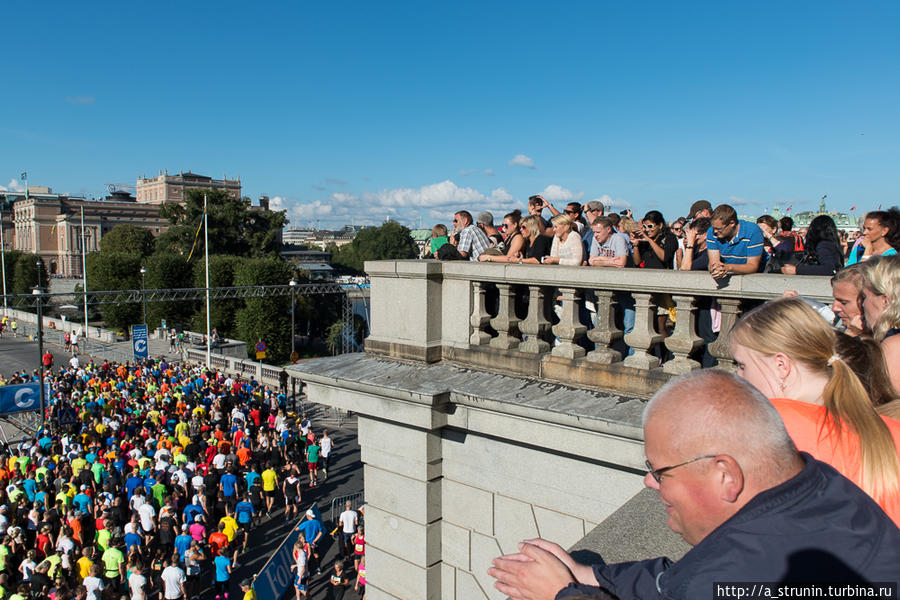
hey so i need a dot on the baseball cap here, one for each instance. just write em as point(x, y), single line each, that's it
point(310, 513)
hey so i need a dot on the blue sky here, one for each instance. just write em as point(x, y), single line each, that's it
point(352, 112)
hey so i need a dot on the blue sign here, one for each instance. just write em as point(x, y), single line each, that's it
point(276, 576)
point(66, 417)
point(19, 398)
point(140, 341)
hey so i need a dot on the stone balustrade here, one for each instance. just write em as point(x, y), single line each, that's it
point(558, 323)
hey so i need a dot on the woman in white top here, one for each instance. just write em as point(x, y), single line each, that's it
point(567, 248)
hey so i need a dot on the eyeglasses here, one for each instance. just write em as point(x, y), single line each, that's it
point(571, 212)
point(676, 229)
point(658, 473)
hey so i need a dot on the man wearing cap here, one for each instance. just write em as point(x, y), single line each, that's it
point(485, 222)
point(312, 530)
point(472, 240)
point(592, 210)
point(247, 589)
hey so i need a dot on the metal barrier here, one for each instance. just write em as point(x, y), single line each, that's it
point(337, 505)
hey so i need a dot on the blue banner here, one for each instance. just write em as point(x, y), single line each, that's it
point(140, 342)
point(19, 398)
point(276, 576)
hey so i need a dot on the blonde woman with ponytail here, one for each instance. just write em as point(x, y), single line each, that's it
point(787, 351)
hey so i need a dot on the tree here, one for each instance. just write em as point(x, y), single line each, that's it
point(388, 241)
point(25, 274)
point(128, 238)
point(267, 319)
point(221, 274)
point(166, 271)
point(11, 257)
point(116, 271)
point(235, 227)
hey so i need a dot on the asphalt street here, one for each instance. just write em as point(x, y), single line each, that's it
point(345, 475)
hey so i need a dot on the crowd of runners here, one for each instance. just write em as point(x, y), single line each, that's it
point(154, 491)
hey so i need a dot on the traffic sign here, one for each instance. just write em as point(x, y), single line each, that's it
point(19, 398)
point(66, 417)
point(260, 350)
point(140, 341)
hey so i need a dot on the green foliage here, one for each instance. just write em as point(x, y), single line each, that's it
point(389, 241)
point(267, 319)
point(128, 238)
point(116, 271)
point(25, 274)
point(234, 227)
point(168, 271)
point(11, 258)
point(221, 274)
point(334, 336)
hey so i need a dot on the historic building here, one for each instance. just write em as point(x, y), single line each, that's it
point(172, 188)
point(50, 225)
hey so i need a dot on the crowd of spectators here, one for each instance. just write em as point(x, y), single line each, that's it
point(156, 488)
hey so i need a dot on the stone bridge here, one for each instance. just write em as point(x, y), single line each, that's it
point(495, 404)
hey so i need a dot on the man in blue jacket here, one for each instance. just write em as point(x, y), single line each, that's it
point(736, 489)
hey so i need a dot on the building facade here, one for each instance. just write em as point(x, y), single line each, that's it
point(172, 188)
point(50, 225)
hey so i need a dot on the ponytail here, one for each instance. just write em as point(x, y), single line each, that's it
point(848, 404)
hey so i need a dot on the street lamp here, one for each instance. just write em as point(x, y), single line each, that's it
point(40, 333)
point(143, 293)
point(293, 284)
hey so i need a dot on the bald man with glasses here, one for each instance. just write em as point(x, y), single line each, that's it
point(734, 487)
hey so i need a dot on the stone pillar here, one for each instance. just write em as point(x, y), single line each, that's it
point(506, 322)
point(721, 348)
point(569, 329)
point(606, 332)
point(644, 335)
point(535, 326)
point(480, 316)
point(683, 340)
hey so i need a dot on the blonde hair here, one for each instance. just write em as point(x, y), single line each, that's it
point(627, 225)
point(882, 276)
point(562, 219)
point(439, 230)
point(791, 326)
point(533, 225)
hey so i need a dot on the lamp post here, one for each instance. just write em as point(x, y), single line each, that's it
point(143, 293)
point(293, 284)
point(40, 333)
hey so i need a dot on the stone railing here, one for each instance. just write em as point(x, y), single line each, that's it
point(560, 323)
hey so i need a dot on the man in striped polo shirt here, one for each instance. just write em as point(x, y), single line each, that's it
point(734, 247)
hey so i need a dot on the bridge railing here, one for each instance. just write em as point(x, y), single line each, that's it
point(564, 323)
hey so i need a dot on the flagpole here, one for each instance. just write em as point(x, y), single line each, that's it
point(86, 335)
point(206, 252)
point(3, 259)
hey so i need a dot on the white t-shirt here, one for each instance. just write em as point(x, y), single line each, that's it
point(147, 512)
point(73, 362)
point(325, 446)
point(93, 585)
point(137, 583)
point(172, 577)
point(218, 461)
point(348, 520)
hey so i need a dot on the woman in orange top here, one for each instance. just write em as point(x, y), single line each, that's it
point(788, 352)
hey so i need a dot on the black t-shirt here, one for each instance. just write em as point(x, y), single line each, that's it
point(540, 247)
point(166, 530)
point(651, 261)
point(700, 261)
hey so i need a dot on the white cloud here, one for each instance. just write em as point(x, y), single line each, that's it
point(276, 203)
point(611, 203)
point(14, 185)
point(488, 172)
point(737, 201)
point(445, 193)
point(520, 160)
point(465, 172)
point(557, 193)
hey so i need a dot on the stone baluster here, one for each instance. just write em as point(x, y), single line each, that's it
point(536, 325)
point(605, 332)
point(721, 348)
point(643, 336)
point(684, 339)
point(569, 329)
point(506, 322)
point(480, 316)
